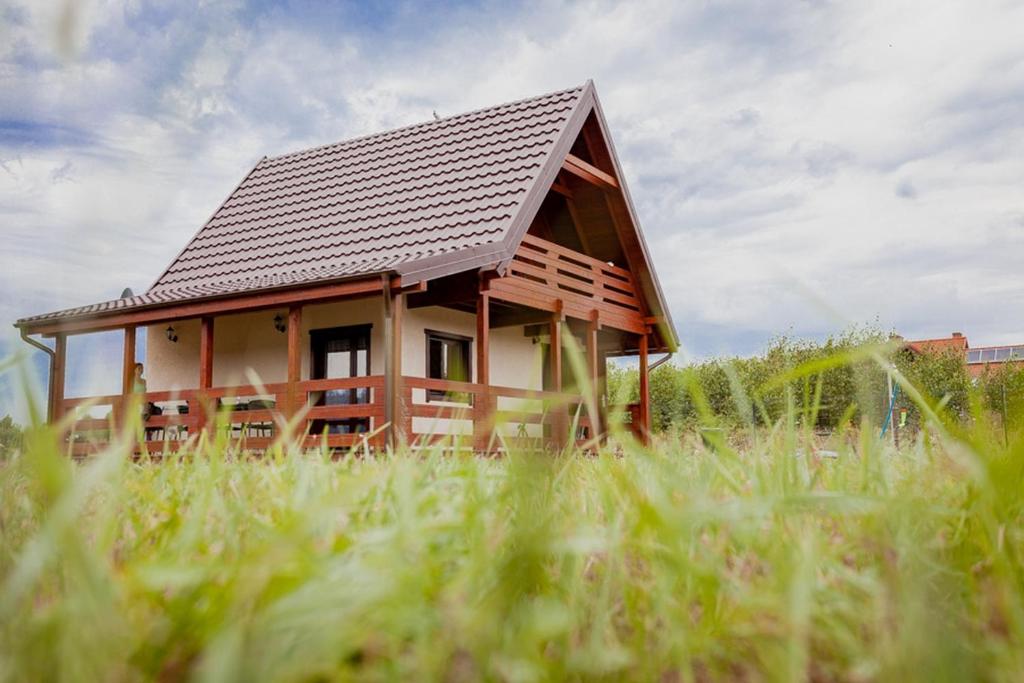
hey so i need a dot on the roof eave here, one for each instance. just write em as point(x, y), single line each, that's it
point(36, 322)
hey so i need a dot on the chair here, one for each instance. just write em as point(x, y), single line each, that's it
point(261, 429)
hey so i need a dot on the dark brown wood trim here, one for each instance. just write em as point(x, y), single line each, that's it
point(210, 307)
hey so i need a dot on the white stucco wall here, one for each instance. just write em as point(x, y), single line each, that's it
point(515, 361)
point(248, 341)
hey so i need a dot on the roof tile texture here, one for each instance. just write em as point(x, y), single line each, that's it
point(379, 202)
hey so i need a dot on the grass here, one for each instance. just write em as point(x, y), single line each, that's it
point(762, 561)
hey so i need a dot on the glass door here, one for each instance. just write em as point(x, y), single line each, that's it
point(335, 353)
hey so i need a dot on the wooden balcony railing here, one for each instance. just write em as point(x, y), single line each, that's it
point(543, 272)
point(489, 417)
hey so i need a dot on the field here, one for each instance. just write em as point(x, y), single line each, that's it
point(775, 556)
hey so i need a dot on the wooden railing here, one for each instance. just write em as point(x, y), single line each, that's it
point(253, 415)
point(491, 418)
point(480, 417)
point(543, 272)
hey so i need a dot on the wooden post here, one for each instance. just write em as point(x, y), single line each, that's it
point(483, 338)
point(559, 425)
point(206, 353)
point(482, 408)
point(128, 364)
point(645, 399)
point(127, 372)
point(55, 409)
point(206, 372)
point(593, 375)
point(293, 399)
point(394, 303)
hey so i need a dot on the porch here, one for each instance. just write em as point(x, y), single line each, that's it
point(487, 418)
point(248, 368)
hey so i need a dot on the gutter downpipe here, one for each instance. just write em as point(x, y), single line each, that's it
point(660, 361)
point(49, 384)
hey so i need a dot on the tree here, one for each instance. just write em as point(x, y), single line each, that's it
point(10, 436)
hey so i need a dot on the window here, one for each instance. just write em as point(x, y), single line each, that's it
point(974, 356)
point(448, 359)
point(1003, 354)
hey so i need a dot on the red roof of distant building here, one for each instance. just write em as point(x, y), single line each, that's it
point(955, 341)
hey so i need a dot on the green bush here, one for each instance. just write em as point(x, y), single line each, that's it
point(837, 380)
point(10, 436)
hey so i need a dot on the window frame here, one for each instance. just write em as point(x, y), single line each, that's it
point(318, 370)
point(439, 394)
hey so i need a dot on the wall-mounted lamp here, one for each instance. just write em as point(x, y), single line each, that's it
point(279, 323)
point(171, 335)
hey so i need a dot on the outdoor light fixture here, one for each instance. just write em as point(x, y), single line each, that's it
point(171, 336)
point(279, 323)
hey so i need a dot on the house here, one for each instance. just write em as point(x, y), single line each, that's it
point(398, 286)
point(978, 358)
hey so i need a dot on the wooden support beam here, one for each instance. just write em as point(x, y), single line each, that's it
point(561, 189)
point(206, 353)
point(127, 374)
point(394, 412)
point(559, 421)
point(590, 173)
point(483, 338)
point(128, 362)
point(55, 409)
point(645, 394)
point(593, 374)
point(294, 400)
point(482, 409)
point(206, 374)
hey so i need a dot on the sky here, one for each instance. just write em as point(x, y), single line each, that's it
point(797, 167)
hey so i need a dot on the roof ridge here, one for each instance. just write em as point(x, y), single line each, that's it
point(422, 124)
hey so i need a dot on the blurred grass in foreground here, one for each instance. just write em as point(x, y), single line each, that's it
point(677, 563)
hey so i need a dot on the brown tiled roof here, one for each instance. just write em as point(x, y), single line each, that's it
point(382, 202)
point(436, 197)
